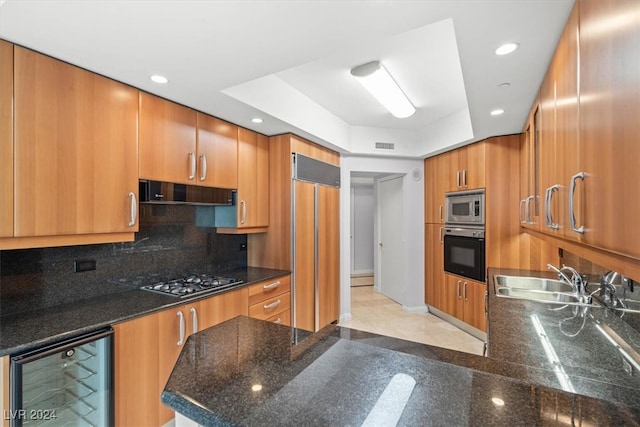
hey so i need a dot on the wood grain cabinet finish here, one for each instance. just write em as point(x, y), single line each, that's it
point(75, 150)
point(253, 179)
point(436, 184)
point(6, 139)
point(271, 300)
point(434, 262)
point(217, 152)
point(465, 300)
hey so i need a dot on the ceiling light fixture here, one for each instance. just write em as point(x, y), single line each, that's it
point(377, 80)
point(257, 120)
point(157, 78)
point(506, 48)
point(497, 112)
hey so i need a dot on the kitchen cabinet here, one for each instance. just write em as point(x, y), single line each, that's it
point(609, 126)
point(217, 152)
point(527, 212)
point(434, 263)
point(253, 179)
point(436, 184)
point(465, 299)
point(6, 139)
point(271, 300)
point(467, 167)
point(75, 152)
point(549, 175)
point(274, 249)
point(167, 145)
point(146, 349)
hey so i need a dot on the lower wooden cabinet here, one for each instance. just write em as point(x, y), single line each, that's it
point(146, 350)
point(271, 300)
point(434, 265)
point(465, 300)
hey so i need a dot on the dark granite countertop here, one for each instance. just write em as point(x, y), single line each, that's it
point(32, 329)
point(248, 372)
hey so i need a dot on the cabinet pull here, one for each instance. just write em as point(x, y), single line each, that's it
point(458, 178)
point(464, 178)
point(181, 323)
point(134, 209)
point(243, 206)
point(486, 304)
point(458, 289)
point(271, 286)
point(464, 291)
point(278, 321)
point(272, 305)
point(194, 319)
point(572, 190)
point(192, 160)
point(550, 221)
point(547, 210)
point(441, 235)
point(440, 210)
point(203, 167)
point(522, 202)
point(527, 210)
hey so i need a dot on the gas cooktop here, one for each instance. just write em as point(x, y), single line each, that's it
point(195, 284)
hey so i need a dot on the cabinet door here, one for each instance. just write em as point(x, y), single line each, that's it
point(548, 175)
point(328, 245)
point(167, 143)
point(6, 139)
point(217, 149)
point(220, 308)
point(253, 179)
point(452, 298)
point(137, 402)
point(434, 265)
point(609, 125)
point(471, 162)
point(473, 294)
point(436, 184)
point(304, 267)
point(75, 150)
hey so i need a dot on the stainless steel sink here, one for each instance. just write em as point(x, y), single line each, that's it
point(537, 289)
point(533, 283)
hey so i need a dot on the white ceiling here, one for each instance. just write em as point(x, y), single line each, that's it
point(288, 61)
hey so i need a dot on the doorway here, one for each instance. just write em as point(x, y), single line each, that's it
point(362, 231)
point(391, 239)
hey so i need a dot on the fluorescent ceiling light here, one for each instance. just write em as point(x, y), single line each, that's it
point(506, 48)
point(497, 112)
point(377, 80)
point(157, 78)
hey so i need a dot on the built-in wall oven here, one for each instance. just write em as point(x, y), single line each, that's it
point(464, 234)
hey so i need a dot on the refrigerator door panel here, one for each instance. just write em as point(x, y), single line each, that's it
point(328, 255)
point(304, 255)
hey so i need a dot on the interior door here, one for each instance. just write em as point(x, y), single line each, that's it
point(391, 238)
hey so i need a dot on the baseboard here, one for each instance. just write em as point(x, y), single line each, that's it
point(482, 336)
point(362, 273)
point(416, 309)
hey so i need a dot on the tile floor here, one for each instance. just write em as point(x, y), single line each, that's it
point(373, 312)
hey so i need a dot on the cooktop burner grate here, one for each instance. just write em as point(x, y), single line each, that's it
point(195, 284)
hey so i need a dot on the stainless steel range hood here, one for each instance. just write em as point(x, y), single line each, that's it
point(159, 192)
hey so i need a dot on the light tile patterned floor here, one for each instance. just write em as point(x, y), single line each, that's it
point(373, 312)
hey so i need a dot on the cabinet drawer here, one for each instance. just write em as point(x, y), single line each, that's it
point(270, 307)
point(269, 289)
point(283, 318)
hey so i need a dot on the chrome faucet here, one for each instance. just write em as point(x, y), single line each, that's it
point(576, 281)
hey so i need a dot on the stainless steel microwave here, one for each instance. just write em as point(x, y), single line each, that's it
point(465, 207)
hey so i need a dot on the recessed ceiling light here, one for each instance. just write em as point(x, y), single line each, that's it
point(506, 48)
point(157, 78)
point(257, 120)
point(497, 112)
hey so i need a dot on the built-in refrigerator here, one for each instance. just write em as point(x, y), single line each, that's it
point(67, 383)
point(315, 242)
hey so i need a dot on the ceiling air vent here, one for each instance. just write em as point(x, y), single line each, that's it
point(385, 146)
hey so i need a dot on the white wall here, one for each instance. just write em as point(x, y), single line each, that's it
point(362, 229)
point(413, 299)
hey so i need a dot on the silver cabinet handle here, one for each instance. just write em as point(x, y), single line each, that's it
point(464, 178)
point(134, 209)
point(272, 305)
point(271, 286)
point(278, 321)
point(572, 190)
point(550, 221)
point(458, 178)
point(194, 320)
point(464, 291)
point(203, 167)
point(527, 209)
point(192, 159)
point(440, 210)
point(181, 323)
point(547, 210)
point(458, 289)
point(243, 205)
point(486, 304)
point(441, 235)
point(522, 202)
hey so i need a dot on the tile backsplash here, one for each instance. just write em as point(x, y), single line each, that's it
point(168, 245)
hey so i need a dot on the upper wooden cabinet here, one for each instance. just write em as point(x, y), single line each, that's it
point(437, 183)
point(167, 143)
point(467, 167)
point(75, 150)
point(217, 149)
point(6, 139)
point(253, 179)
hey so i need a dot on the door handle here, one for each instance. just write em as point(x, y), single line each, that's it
point(440, 213)
point(272, 305)
point(441, 235)
point(243, 204)
point(522, 202)
point(271, 285)
point(464, 291)
point(552, 224)
point(458, 179)
point(464, 178)
point(381, 245)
